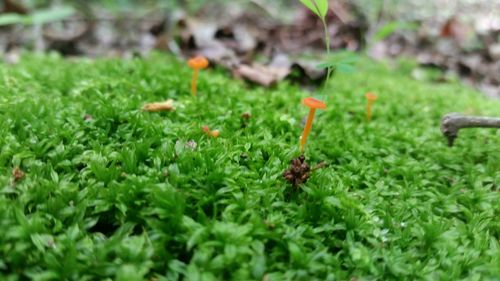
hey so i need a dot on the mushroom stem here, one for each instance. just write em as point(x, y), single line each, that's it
point(369, 111)
point(307, 129)
point(453, 122)
point(193, 81)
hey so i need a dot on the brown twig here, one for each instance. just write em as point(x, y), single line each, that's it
point(453, 122)
point(318, 166)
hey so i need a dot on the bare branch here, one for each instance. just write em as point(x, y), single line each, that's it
point(453, 122)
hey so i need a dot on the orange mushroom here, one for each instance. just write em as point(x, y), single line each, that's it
point(313, 104)
point(196, 64)
point(371, 98)
point(205, 129)
point(210, 133)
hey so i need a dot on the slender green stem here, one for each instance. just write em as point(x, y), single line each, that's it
point(327, 37)
point(327, 43)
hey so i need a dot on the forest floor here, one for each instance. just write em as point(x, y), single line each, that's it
point(94, 187)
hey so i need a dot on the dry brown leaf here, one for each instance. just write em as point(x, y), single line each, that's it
point(167, 105)
point(279, 69)
point(11, 6)
point(261, 74)
point(455, 29)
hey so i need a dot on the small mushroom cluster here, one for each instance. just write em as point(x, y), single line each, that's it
point(210, 133)
point(299, 170)
point(315, 104)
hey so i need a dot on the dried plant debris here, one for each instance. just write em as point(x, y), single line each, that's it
point(245, 119)
point(167, 105)
point(451, 46)
point(17, 175)
point(233, 42)
point(261, 74)
point(298, 173)
point(88, 118)
point(11, 6)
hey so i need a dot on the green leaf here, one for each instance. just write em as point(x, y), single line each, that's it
point(389, 28)
point(41, 241)
point(43, 275)
point(333, 201)
point(38, 17)
point(326, 65)
point(296, 253)
point(318, 7)
point(8, 19)
point(51, 15)
point(344, 63)
point(345, 68)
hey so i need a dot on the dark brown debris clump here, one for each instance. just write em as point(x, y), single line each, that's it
point(245, 118)
point(298, 173)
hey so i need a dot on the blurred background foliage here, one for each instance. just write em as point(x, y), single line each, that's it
point(450, 36)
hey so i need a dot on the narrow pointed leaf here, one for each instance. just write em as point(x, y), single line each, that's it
point(8, 19)
point(318, 7)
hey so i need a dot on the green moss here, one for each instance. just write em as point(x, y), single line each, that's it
point(122, 197)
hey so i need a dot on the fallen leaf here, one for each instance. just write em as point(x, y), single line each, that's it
point(245, 40)
point(10, 6)
point(261, 74)
point(494, 51)
point(167, 105)
point(68, 31)
point(12, 57)
point(308, 70)
point(455, 29)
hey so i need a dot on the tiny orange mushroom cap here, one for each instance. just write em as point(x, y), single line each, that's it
point(206, 129)
point(210, 133)
point(313, 104)
point(196, 64)
point(371, 97)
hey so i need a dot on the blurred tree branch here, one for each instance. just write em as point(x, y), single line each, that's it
point(453, 122)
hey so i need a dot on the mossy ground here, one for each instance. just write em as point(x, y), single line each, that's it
point(117, 194)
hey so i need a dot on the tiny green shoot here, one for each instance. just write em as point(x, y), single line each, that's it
point(320, 9)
